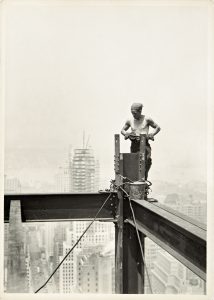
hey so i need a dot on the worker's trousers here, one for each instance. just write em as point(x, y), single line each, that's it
point(135, 147)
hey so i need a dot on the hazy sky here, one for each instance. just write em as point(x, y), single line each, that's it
point(72, 68)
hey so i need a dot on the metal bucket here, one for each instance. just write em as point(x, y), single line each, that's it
point(137, 190)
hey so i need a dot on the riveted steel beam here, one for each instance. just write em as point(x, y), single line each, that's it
point(179, 237)
point(56, 207)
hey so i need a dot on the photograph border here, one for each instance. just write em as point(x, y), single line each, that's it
point(210, 144)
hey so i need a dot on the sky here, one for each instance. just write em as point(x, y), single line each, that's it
point(75, 68)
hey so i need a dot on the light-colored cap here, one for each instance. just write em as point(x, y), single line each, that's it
point(137, 106)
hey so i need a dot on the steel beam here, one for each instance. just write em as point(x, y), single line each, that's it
point(56, 207)
point(180, 238)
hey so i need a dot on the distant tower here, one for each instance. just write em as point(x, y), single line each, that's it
point(63, 179)
point(84, 178)
point(17, 281)
point(95, 266)
point(14, 263)
point(59, 238)
point(85, 171)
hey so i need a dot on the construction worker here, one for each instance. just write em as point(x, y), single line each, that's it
point(140, 124)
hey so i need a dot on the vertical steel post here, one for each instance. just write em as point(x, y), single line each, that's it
point(142, 158)
point(133, 262)
point(142, 177)
point(129, 267)
point(120, 220)
point(117, 153)
point(119, 230)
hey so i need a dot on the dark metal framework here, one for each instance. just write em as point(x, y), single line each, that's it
point(182, 237)
point(59, 207)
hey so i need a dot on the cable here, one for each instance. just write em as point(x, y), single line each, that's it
point(84, 232)
point(141, 248)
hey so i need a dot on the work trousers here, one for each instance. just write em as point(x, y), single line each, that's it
point(135, 147)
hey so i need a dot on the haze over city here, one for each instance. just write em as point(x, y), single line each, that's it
point(71, 68)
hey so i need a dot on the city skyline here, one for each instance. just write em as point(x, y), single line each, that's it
point(44, 168)
point(89, 267)
point(47, 244)
point(43, 240)
point(66, 174)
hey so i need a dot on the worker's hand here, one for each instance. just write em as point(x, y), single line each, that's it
point(150, 136)
point(134, 137)
point(126, 136)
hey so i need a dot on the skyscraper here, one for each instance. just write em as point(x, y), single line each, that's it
point(95, 240)
point(17, 281)
point(80, 172)
point(15, 271)
point(96, 270)
point(63, 179)
point(85, 171)
point(84, 176)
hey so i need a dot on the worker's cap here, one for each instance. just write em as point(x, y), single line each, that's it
point(137, 106)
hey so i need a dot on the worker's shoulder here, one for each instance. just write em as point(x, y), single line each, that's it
point(148, 118)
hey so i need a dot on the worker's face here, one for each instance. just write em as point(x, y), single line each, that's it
point(136, 113)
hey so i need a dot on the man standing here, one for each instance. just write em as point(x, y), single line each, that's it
point(140, 124)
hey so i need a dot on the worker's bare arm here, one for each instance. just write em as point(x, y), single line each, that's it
point(156, 129)
point(124, 129)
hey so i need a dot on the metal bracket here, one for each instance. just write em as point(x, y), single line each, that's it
point(114, 204)
point(117, 163)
